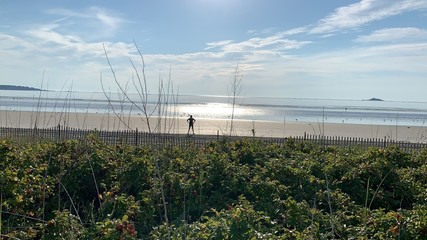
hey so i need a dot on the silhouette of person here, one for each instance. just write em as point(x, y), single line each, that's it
point(191, 122)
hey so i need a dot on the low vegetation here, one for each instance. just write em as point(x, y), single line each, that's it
point(226, 190)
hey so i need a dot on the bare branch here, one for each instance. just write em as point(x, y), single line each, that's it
point(111, 105)
point(235, 89)
point(161, 107)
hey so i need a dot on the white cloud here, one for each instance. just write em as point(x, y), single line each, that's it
point(217, 63)
point(109, 20)
point(295, 31)
point(269, 31)
point(274, 43)
point(218, 44)
point(106, 18)
point(66, 13)
point(46, 35)
point(365, 11)
point(394, 34)
point(393, 58)
point(9, 42)
point(252, 32)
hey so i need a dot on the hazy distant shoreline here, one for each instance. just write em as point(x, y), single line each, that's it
point(19, 88)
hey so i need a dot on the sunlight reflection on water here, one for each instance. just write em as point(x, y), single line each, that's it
point(220, 111)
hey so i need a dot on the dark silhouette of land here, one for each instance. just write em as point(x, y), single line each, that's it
point(375, 99)
point(19, 88)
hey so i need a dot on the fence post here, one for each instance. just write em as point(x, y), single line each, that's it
point(59, 132)
point(136, 137)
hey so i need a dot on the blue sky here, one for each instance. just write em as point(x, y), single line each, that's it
point(335, 49)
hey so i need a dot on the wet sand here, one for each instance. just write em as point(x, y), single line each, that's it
point(209, 126)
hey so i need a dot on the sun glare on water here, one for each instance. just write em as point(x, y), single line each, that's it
point(215, 110)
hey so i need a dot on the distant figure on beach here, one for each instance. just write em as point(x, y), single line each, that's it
point(191, 122)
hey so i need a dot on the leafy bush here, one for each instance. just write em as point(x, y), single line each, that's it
point(241, 189)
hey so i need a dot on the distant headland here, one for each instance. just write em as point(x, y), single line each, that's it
point(19, 88)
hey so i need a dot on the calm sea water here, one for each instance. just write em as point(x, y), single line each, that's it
point(218, 107)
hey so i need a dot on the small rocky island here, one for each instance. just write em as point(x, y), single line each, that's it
point(18, 88)
point(375, 99)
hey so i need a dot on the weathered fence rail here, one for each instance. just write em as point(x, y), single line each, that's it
point(132, 137)
point(137, 138)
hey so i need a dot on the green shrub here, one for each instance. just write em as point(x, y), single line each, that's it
point(243, 189)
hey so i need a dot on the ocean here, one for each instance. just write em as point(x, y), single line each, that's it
point(219, 107)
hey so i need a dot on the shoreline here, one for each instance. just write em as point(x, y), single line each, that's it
point(178, 125)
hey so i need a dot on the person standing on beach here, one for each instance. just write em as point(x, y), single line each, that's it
point(191, 122)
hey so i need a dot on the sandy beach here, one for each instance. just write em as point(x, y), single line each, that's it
point(209, 126)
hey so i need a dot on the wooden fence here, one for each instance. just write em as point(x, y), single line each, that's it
point(132, 137)
point(137, 138)
point(363, 142)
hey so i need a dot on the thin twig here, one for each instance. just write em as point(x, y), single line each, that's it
point(9, 237)
point(1, 207)
point(24, 216)
point(163, 195)
point(378, 188)
point(44, 191)
point(111, 105)
point(96, 184)
point(330, 207)
point(72, 202)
